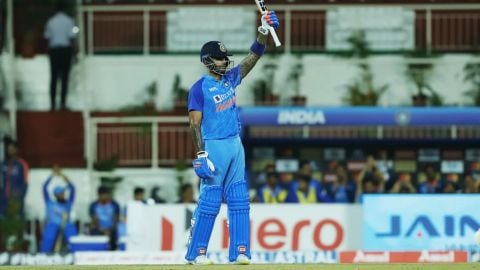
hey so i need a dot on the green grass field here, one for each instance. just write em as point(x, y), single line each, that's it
point(443, 266)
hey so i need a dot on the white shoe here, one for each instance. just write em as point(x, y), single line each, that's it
point(242, 259)
point(201, 260)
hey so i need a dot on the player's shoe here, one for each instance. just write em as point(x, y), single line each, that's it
point(201, 260)
point(242, 259)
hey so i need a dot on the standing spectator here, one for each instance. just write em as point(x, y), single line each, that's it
point(105, 214)
point(59, 31)
point(186, 194)
point(403, 184)
point(58, 227)
point(271, 191)
point(14, 181)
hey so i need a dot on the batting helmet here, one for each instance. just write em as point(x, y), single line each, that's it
point(215, 50)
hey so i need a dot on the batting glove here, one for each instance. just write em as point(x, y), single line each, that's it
point(271, 19)
point(203, 166)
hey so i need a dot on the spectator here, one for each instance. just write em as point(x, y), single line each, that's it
point(341, 189)
point(472, 184)
point(58, 228)
point(59, 31)
point(186, 194)
point(403, 184)
point(306, 190)
point(369, 180)
point(262, 177)
point(450, 184)
point(105, 214)
point(271, 191)
point(432, 183)
point(14, 181)
point(139, 194)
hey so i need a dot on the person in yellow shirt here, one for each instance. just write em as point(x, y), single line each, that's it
point(271, 191)
point(306, 190)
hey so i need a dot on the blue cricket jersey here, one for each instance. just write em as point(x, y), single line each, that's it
point(56, 209)
point(105, 213)
point(217, 102)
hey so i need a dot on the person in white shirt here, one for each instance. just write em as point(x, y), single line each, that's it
point(60, 32)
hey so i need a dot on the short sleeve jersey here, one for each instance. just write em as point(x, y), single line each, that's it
point(217, 102)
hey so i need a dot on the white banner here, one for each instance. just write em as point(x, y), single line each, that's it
point(386, 28)
point(189, 28)
point(289, 227)
point(174, 257)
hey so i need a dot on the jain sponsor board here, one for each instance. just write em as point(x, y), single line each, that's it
point(420, 222)
point(273, 228)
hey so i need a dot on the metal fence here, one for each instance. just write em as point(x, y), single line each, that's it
point(140, 141)
point(143, 28)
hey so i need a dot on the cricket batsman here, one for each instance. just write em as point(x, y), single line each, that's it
point(220, 161)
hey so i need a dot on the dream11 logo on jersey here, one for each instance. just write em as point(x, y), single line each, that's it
point(423, 226)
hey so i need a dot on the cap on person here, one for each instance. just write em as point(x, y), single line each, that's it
point(58, 190)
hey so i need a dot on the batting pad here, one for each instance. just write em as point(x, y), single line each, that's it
point(207, 209)
point(239, 220)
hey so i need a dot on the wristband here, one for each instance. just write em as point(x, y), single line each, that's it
point(257, 48)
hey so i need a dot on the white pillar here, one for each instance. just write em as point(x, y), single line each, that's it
point(10, 76)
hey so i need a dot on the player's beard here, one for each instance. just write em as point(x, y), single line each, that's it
point(220, 70)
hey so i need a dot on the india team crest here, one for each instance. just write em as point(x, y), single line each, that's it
point(222, 47)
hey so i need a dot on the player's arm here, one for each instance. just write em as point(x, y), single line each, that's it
point(46, 196)
point(251, 59)
point(195, 122)
point(257, 49)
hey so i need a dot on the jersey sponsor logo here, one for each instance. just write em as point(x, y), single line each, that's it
point(300, 117)
point(217, 98)
point(229, 103)
point(211, 89)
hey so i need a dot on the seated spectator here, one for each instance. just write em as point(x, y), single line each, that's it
point(450, 184)
point(403, 184)
point(472, 184)
point(262, 177)
point(340, 189)
point(186, 194)
point(306, 190)
point(58, 227)
point(105, 214)
point(271, 191)
point(432, 184)
point(139, 195)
